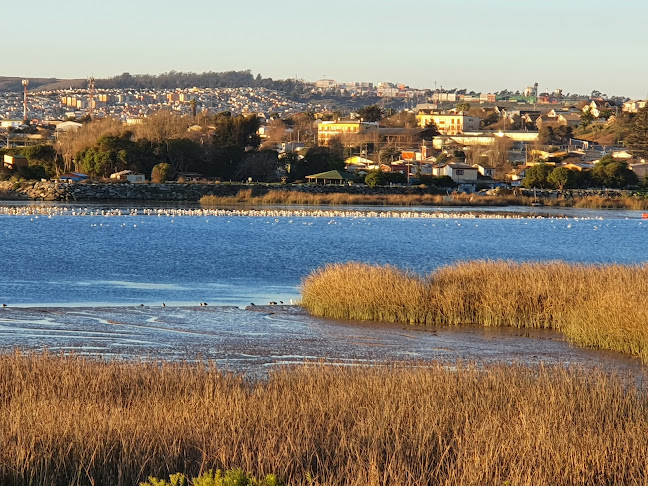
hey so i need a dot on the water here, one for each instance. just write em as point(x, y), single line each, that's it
point(82, 280)
point(253, 341)
point(182, 260)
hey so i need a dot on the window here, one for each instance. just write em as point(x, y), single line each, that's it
point(460, 172)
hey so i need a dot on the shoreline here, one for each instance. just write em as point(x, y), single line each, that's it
point(255, 339)
point(279, 211)
point(298, 194)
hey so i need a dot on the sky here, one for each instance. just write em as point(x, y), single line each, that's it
point(576, 45)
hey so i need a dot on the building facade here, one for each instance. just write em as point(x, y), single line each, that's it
point(453, 124)
point(328, 130)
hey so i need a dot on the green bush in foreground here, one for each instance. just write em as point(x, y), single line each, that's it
point(232, 477)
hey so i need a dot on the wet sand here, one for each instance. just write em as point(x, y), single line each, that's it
point(253, 339)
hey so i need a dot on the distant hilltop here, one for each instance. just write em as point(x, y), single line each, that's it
point(8, 83)
point(170, 80)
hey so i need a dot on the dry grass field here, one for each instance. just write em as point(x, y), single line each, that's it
point(68, 420)
point(598, 306)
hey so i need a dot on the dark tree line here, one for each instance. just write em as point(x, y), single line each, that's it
point(608, 172)
point(176, 79)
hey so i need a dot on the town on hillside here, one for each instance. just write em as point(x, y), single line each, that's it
point(392, 134)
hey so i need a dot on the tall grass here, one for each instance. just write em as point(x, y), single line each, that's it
point(597, 306)
point(245, 196)
point(305, 198)
point(68, 420)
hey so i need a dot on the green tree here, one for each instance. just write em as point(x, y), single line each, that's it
point(546, 135)
point(371, 113)
point(260, 166)
point(32, 172)
point(491, 119)
point(562, 177)
point(462, 107)
point(374, 178)
point(161, 173)
point(562, 134)
point(606, 113)
point(44, 156)
point(437, 181)
point(235, 130)
point(637, 138)
point(612, 173)
point(182, 153)
point(586, 118)
point(320, 159)
point(536, 176)
point(389, 154)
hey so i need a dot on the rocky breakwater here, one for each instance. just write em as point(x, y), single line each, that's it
point(87, 191)
point(189, 192)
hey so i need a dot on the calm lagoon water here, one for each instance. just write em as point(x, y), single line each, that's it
point(123, 260)
point(79, 282)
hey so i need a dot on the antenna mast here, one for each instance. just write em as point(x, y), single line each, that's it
point(25, 83)
point(91, 95)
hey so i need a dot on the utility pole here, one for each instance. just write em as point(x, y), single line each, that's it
point(25, 83)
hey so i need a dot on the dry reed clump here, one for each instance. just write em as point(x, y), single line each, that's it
point(357, 291)
point(68, 420)
point(597, 306)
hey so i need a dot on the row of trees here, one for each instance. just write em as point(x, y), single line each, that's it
point(221, 146)
point(607, 173)
point(176, 79)
point(637, 138)
point(218, 146)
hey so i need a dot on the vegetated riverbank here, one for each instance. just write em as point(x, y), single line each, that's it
point(287, 197)
point(597, 306)
point(69, 420)
point(213, 193)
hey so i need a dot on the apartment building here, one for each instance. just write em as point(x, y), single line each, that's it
point(327, 130)
point(452, 124)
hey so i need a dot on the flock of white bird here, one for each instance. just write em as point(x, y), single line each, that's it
point(50, 211)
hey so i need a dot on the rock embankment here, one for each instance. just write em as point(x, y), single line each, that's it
point(192, 192)
point(188, 192)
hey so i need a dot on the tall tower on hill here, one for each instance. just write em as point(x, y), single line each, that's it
point(91, 95)
point(25, 83)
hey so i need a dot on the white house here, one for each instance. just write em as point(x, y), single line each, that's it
point(485, 170)
point(459, 172)
point(129, 176)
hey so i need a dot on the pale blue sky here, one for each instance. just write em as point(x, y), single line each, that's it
point(576, 45)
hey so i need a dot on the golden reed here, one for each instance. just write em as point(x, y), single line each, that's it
point(601, 306)
point(245, 196)
point(70, 420)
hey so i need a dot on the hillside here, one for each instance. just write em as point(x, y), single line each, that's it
point(8, 83)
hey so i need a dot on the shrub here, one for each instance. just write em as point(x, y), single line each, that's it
point(374, 179)
point(161, 173)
